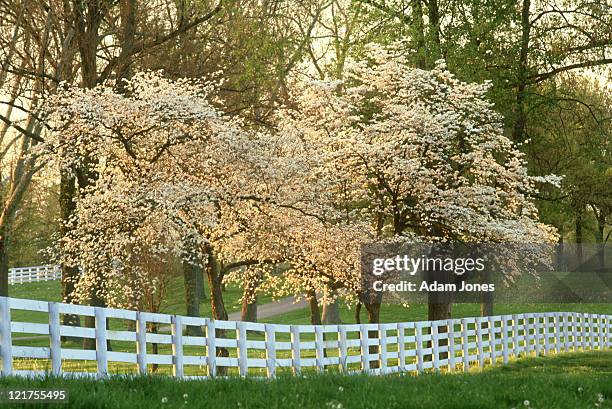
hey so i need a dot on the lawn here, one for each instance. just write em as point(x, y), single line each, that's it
point(418, 312)
point(578, 380)
point(174, 302)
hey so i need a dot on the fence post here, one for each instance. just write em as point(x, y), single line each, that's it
point(583, 330)
point(566, 333)
point(382, 334)
point(465, 344)
point(515, 334)
point(270, 351)
point(319, 348)
point(558, 332)
point(211, 349)
point(141, 343)
point(243, 365)
point(492, 340)
point(365, 352)
point(608, 330)
point(295, 350)
point(419, 346)
point(602, 334)
point(401, 346)
point(592, 331)
point(505, 353)
point(479, 344)
point(343, 349)
point(435, 346)
point(55, 343)
point(546, 333)
point(575, 342)
point(101, 344)
point(528, 346)
point(6, 342)
point(176, 326)
point(536, 333)
point(450, 325)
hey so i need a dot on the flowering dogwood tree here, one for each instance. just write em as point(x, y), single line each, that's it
point(168, 180)
point(177, 178)
point(418, 152)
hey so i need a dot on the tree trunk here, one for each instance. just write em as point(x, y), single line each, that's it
point(249, 299)
point(418, 29)
point(249, 309)
point(560, 255)
point(578, 230)
point(4, 269)
point(200, 287)
point(520, 113)
point(192, 302)
point(486, 307)
point(315, 314)
point(434, 30)
point(70, 274)
point(439, 304)
point(331, 313)
point(358, 313)
point(599, 238)
point(215, 277)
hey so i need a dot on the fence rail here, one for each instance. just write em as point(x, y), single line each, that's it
point(202, 347)
point(19, 275)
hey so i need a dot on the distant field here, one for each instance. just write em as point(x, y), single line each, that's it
point(567, 381)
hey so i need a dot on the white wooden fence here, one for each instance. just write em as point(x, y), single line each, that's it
point(267, 349)
point(19, 275)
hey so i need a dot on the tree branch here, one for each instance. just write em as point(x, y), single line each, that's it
point(536, 78)
point(24, 131)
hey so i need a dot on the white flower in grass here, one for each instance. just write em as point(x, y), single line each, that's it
point(526, 402)
point(185, 396)
point(580, 389)
point(334, 405)
point(164, 400)
point(341, 389)
point(600, 398)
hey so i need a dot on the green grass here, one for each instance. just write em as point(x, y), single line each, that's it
point(174, 302)
point(581, 380)
point(418, 312)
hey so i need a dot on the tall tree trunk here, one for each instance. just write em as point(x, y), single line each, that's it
point(520, 119)
point(600, 216)
point(4, 265)
point(249, 309)
point(214, 274)
point(192, 302)
point(249, 298)
point(486, 307)
point(439, 304)
point(315, 314)
point(418, 29)
point(200, 287)
point(579, 239)
point(331, 313)
point(560, 254)
point(70, 274)
point(434, 31)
